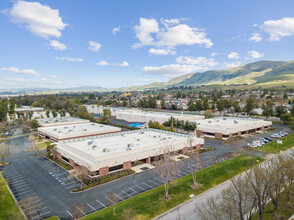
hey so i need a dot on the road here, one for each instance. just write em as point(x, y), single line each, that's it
point(49, 185)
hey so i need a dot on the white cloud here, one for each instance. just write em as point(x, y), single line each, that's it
point(39, 19)
point(124, 64)
point(184, 65)
point(102, 63)
point(213, 54)
point(115, 30)
point(70, 59)
point(28, 72)
point(94, 46)
point(161, 51)
point(233, 55)
point(256, 37)
point(200, 61)
point(255, 55)
point(17, 80)
point(278, 29)
point(172, 34)
point(169, 22)
point(231, 65)
point(170, 71)
point(144, 31)
point(56, 45)
point(53, 76)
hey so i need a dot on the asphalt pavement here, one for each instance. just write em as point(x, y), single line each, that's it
point(48, 186)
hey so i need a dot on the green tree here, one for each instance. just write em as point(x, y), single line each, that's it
point(125, 103)
point(237, 108)
point(3, 110)
point(286, 118)
point(267, 109)
point(280, 110)
point(250, 105)
point(172, 129)
point(191, 105)
point(220, 105)
point(106, 116)
point(198, 105)
point(91, 96)
point(34, 124)
point(48, 114)
point(54, 113)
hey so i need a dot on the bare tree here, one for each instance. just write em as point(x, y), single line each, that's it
point(34, 145)
point(167, 170)
point(258, 178)
point(238, 199)
point(128, 214)
point(29, 207)
point(81, 174)
point(210, 210)
point(4, 152)
point(193, 167)
point(78, 211)
point(113, 199)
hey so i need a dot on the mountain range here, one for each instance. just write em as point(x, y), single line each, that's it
point(258, 74)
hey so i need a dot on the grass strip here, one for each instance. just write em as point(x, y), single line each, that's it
point(8, 208)
point(152, 203)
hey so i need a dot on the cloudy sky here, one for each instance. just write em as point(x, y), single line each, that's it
point(107, 43)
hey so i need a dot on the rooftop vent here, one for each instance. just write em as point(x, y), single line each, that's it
point(128, 148)
point(94, 147)
point(106, 150)
point(130, 145)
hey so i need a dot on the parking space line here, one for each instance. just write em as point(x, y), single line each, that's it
point(100, 203)
point(38, 210)
point(69, 213)
point(117, 196)
point(80, 210)
point(153, 182)
point(23, 180)
point(41, 214)
point(17, 184)
point(133, 190)
point(13, 175)
point(41, 203)
point(10, 172)
point(126, 193)
point(30, 190)
point(147, 185)
point(109, 199)
point(91, 206)
point(21, 188)
point(140, 187)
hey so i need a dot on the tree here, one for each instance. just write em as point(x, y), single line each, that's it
point(81, 174)
point(11, 109)
point(286, 118)
point(54, 113)
point(48, 114)
point(50, 149)
point(34, 124)
point(167, 170)
point(292, 110)
point(191, 105)
point(220, 105)
point(125, 103)
point(106, 117)
point(280, 110)
point(227, 104)
point(237, 108)
point(267, 109)
point(250, 105)
point(172, 129)
point(34, 145)
point(4, 152)
point(3, 110)
point(113, 199)
point(78, 212)
point(198, 105)
point(92, 96)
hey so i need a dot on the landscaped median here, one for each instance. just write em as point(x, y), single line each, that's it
point(152, 203)
point(8, 208)
point(274, 147)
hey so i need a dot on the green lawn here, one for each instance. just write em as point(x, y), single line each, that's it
point(3, 141)
point(53, 218)
point(8, 209)
point(273, 147)
point(152, 203)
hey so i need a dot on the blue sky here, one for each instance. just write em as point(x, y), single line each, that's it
point(56, 44)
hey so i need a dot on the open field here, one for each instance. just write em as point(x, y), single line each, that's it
point(273, 147)
point(152, 203)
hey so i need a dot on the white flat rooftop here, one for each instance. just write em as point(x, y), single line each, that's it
point(77, 130)
point(227, 125)
point(28, 108)
point(113, 149)
point(44, 122)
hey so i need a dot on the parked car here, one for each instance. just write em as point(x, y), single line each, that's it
point(269, 139)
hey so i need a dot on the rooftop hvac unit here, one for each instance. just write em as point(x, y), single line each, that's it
point(128, 148)
point(130, 145)
point(94, 147)
point(138, 139)
point(55, 129)
point(236, 122)
point(106, 150)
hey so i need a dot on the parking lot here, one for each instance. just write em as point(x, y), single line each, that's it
point(47, 186)
point(32, 205)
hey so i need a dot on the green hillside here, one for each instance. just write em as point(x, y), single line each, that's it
point(257, 74)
